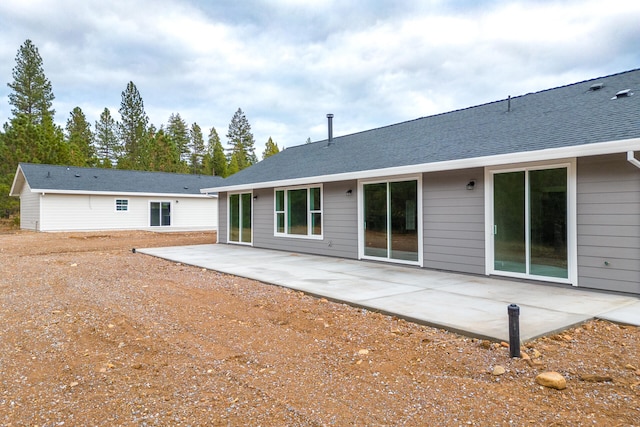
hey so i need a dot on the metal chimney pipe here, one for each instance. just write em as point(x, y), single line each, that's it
point(330, 127)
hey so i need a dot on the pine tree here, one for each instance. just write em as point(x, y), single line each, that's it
point(162, 154)
point(106, 140)
point(220, 166)
point(270, 149)
point(178, 132)
point(56, 151)
point(31, 134)
point(132, 128)
point(197, 148)
point(241, 141)
point(8, 205)
point(32, 95)
point(80, 139)
point(214, 161)
point(233, 164)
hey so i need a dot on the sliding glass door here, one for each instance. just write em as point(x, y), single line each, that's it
point(390, 220)
point(530, 218)
point(240, 218)
point(160, 214)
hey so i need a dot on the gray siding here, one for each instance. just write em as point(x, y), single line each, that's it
point(608, 209)
point(340, 220)
point(454, 221)
point(222, 217)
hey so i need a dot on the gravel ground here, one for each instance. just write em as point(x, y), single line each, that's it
point(93, 334)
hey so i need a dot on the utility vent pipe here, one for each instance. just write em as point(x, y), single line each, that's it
point(509, 104)
point(330, 127)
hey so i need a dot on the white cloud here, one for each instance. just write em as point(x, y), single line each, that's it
point(288, 63)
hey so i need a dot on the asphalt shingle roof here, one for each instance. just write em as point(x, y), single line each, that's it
point(566, 116)
point(72, 178)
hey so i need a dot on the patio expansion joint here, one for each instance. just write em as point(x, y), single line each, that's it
point(382, 297)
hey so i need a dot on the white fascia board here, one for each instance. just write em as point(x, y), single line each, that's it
point(123, 194)
point(594, 149)
point(631, 157)
point(18, 176)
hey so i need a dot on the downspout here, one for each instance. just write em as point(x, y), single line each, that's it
point(632, 159)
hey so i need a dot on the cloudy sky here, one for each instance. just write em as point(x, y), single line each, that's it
point(287, 63)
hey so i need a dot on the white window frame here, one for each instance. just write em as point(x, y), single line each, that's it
point(310, 212)
point(239, 194)
point(171, 213)
point(572, 219)
point(121, 205)
point(419, 219)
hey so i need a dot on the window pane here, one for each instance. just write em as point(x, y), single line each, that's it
point(297, 211)
point(375, 220)
point(403, 219)
point(315, 199)
point(548, 217)
point(155, 214)
point(166, 213)
point(316, 224)
point(246, 218)
point(280, 222)
point(280, 201)
point(122, 204)
point(509, 222)
point(234, 218)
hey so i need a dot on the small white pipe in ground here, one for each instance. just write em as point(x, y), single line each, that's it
point(632, 159)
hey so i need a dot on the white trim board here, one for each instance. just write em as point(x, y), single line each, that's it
point(551, 154)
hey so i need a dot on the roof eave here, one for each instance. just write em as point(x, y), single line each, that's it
point(584, 150)
point(203, 195)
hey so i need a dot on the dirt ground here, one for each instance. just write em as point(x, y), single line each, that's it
point(94, 334)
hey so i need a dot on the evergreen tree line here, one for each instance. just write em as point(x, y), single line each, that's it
point(31, 135)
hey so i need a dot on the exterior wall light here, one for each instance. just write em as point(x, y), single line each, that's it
point(471, 185)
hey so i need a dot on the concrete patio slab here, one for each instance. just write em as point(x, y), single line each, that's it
point(627, 315)
point(471, 305)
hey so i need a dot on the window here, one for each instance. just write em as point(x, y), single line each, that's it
point(240, 218)
point(122, 205)
point(390, 226)
point(298, 212)
point(531, 215)
point(160, 214)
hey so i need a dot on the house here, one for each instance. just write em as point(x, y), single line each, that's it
point(61, 198)
point(542, 187)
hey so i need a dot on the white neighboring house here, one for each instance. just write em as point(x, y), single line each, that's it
point(68, 198)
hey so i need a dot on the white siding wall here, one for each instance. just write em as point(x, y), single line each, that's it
point(84, 212)
point(194, 213)
point(29, 209)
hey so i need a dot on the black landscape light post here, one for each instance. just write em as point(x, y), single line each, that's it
point(514, 330)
